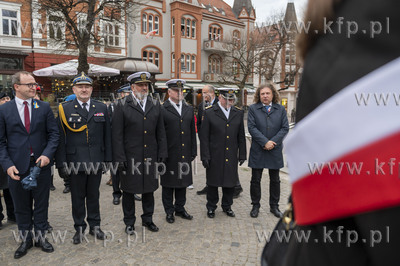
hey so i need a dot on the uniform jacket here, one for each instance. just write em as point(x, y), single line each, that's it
point(138, 137)
point(182, 146)
point(15, 141)
point(200, 112)
point(92, 147)
point(264, 126)
point(223, 143)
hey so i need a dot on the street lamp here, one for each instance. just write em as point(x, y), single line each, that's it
point(182, 66)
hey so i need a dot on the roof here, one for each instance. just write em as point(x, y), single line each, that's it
point(239, 4)
point(219, 8)
point(290, 14)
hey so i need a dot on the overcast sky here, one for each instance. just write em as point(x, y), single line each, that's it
point(265, 8)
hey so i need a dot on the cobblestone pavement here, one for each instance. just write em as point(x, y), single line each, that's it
point(201, 241)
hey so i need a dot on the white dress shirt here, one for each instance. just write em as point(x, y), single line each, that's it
point(226, 112)
point(178, 109)
point(21, 108)
point(138, 101)
point(87, 106)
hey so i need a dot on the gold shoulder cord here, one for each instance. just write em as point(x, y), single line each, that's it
point(64, 122)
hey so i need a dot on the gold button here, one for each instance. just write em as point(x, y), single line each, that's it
point(226, 160)
point(227, 137)
point(145, 145)
point(145, 132)
point(183, 132)
point(144, 118)
point(183, 145)
point(183, 157)
point(227, 125)
point(145, 159)
point(227, 149)
point(181, 121)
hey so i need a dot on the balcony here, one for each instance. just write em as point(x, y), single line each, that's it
point(215, 46)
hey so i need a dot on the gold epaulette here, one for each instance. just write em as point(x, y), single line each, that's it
point(208, 107)
point(238, 108)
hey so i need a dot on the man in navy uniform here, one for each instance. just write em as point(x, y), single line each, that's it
point(138, 144)
point(85, 140)
point(182, 150)
point(223, 145)
point(28, 136)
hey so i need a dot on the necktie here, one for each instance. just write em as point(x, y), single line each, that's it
point(26, 117)
point(141, 102)
point(85, 109)
point(268, 107)
point(177, 105)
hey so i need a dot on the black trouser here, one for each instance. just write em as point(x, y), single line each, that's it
point(9, 205)
point(85, 188)
point(67, 181)
point(212, 198)
point(274, 187)
point(115, 183)
point(128, 207)
point(168, 199)
point(23, 199)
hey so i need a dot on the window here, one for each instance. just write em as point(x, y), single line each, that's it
point(187, 63)
point(188, 27)
point(193, 29)
point(193, 63)
point(112, 34)
point(173, 26)
point(151, 21)
point(182, 62)
point(214, 64)
point(183, 27)
point(144, 23)
point(215, 32)
point(10, 22)
point(235, 68)
point(56, 27)
point(81, 24)
point(153, 55)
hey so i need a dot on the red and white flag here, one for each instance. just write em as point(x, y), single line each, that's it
point(151, 34)
point(344, 157)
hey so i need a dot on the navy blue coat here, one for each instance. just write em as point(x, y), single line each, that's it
point(264, 126)
point(15, 141)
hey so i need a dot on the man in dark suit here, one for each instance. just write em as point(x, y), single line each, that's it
point(28, 135)
point(268, 125)
point(223, 145)
point(85, 141)
point(138, 144)
point(182, 150)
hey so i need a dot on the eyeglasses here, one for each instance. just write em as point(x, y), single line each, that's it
point(30, 85)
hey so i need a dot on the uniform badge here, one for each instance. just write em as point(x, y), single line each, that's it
point(143, 76)
point(179, 83)
point(99, 114)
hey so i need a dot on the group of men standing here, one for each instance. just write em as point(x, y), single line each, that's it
point(147, 140)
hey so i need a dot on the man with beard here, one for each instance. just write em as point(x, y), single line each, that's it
point(182, 150)
point(139, 142)
point(223, 145)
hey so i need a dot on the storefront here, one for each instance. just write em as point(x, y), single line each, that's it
point(10, 63)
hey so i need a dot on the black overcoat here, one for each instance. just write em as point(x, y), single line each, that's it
point(182, 145)
point(222, 142)
point(139, 139)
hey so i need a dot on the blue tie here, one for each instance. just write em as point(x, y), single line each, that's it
point(268, 108)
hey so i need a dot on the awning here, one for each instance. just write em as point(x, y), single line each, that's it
point(132, 65)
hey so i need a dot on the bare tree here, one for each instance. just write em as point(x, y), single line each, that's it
point(80, 24)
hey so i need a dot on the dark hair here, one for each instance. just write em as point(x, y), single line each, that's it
point(16, 78)
point(269, 85)
point(316, 11)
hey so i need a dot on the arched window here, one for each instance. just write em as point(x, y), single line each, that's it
point(151, 20)
point(193, 63)
point(173, 27)
point(112, 34)
point(152, 54)
point(215, 64)
point(215, 32)
point(188, 27)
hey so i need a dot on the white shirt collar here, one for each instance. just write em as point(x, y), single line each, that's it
point(226, 113)
point(179, 109)
point(21, 102)
point(138, 101)
point(80, 103)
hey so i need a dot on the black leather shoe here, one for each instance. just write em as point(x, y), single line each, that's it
point(23, 249)
point(151, 226)
point(66, 190)
point(229, 212)
point(184, 215)
point(202, 192)
point(130, 229)
point(11, 220)
point(210, 214)
point(254, 211)
point(276, 212)
point(96, 231)
point(77, 239)
point(138, 198)
point(52, 188)
point(116, 200)
point(170, 218)
point(45, 245)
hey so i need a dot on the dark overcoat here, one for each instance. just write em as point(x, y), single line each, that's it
point(182, 145)
point(93, 146)
point(200, 112)
point(138, 139)
point(264, 126)
point(222, 142)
